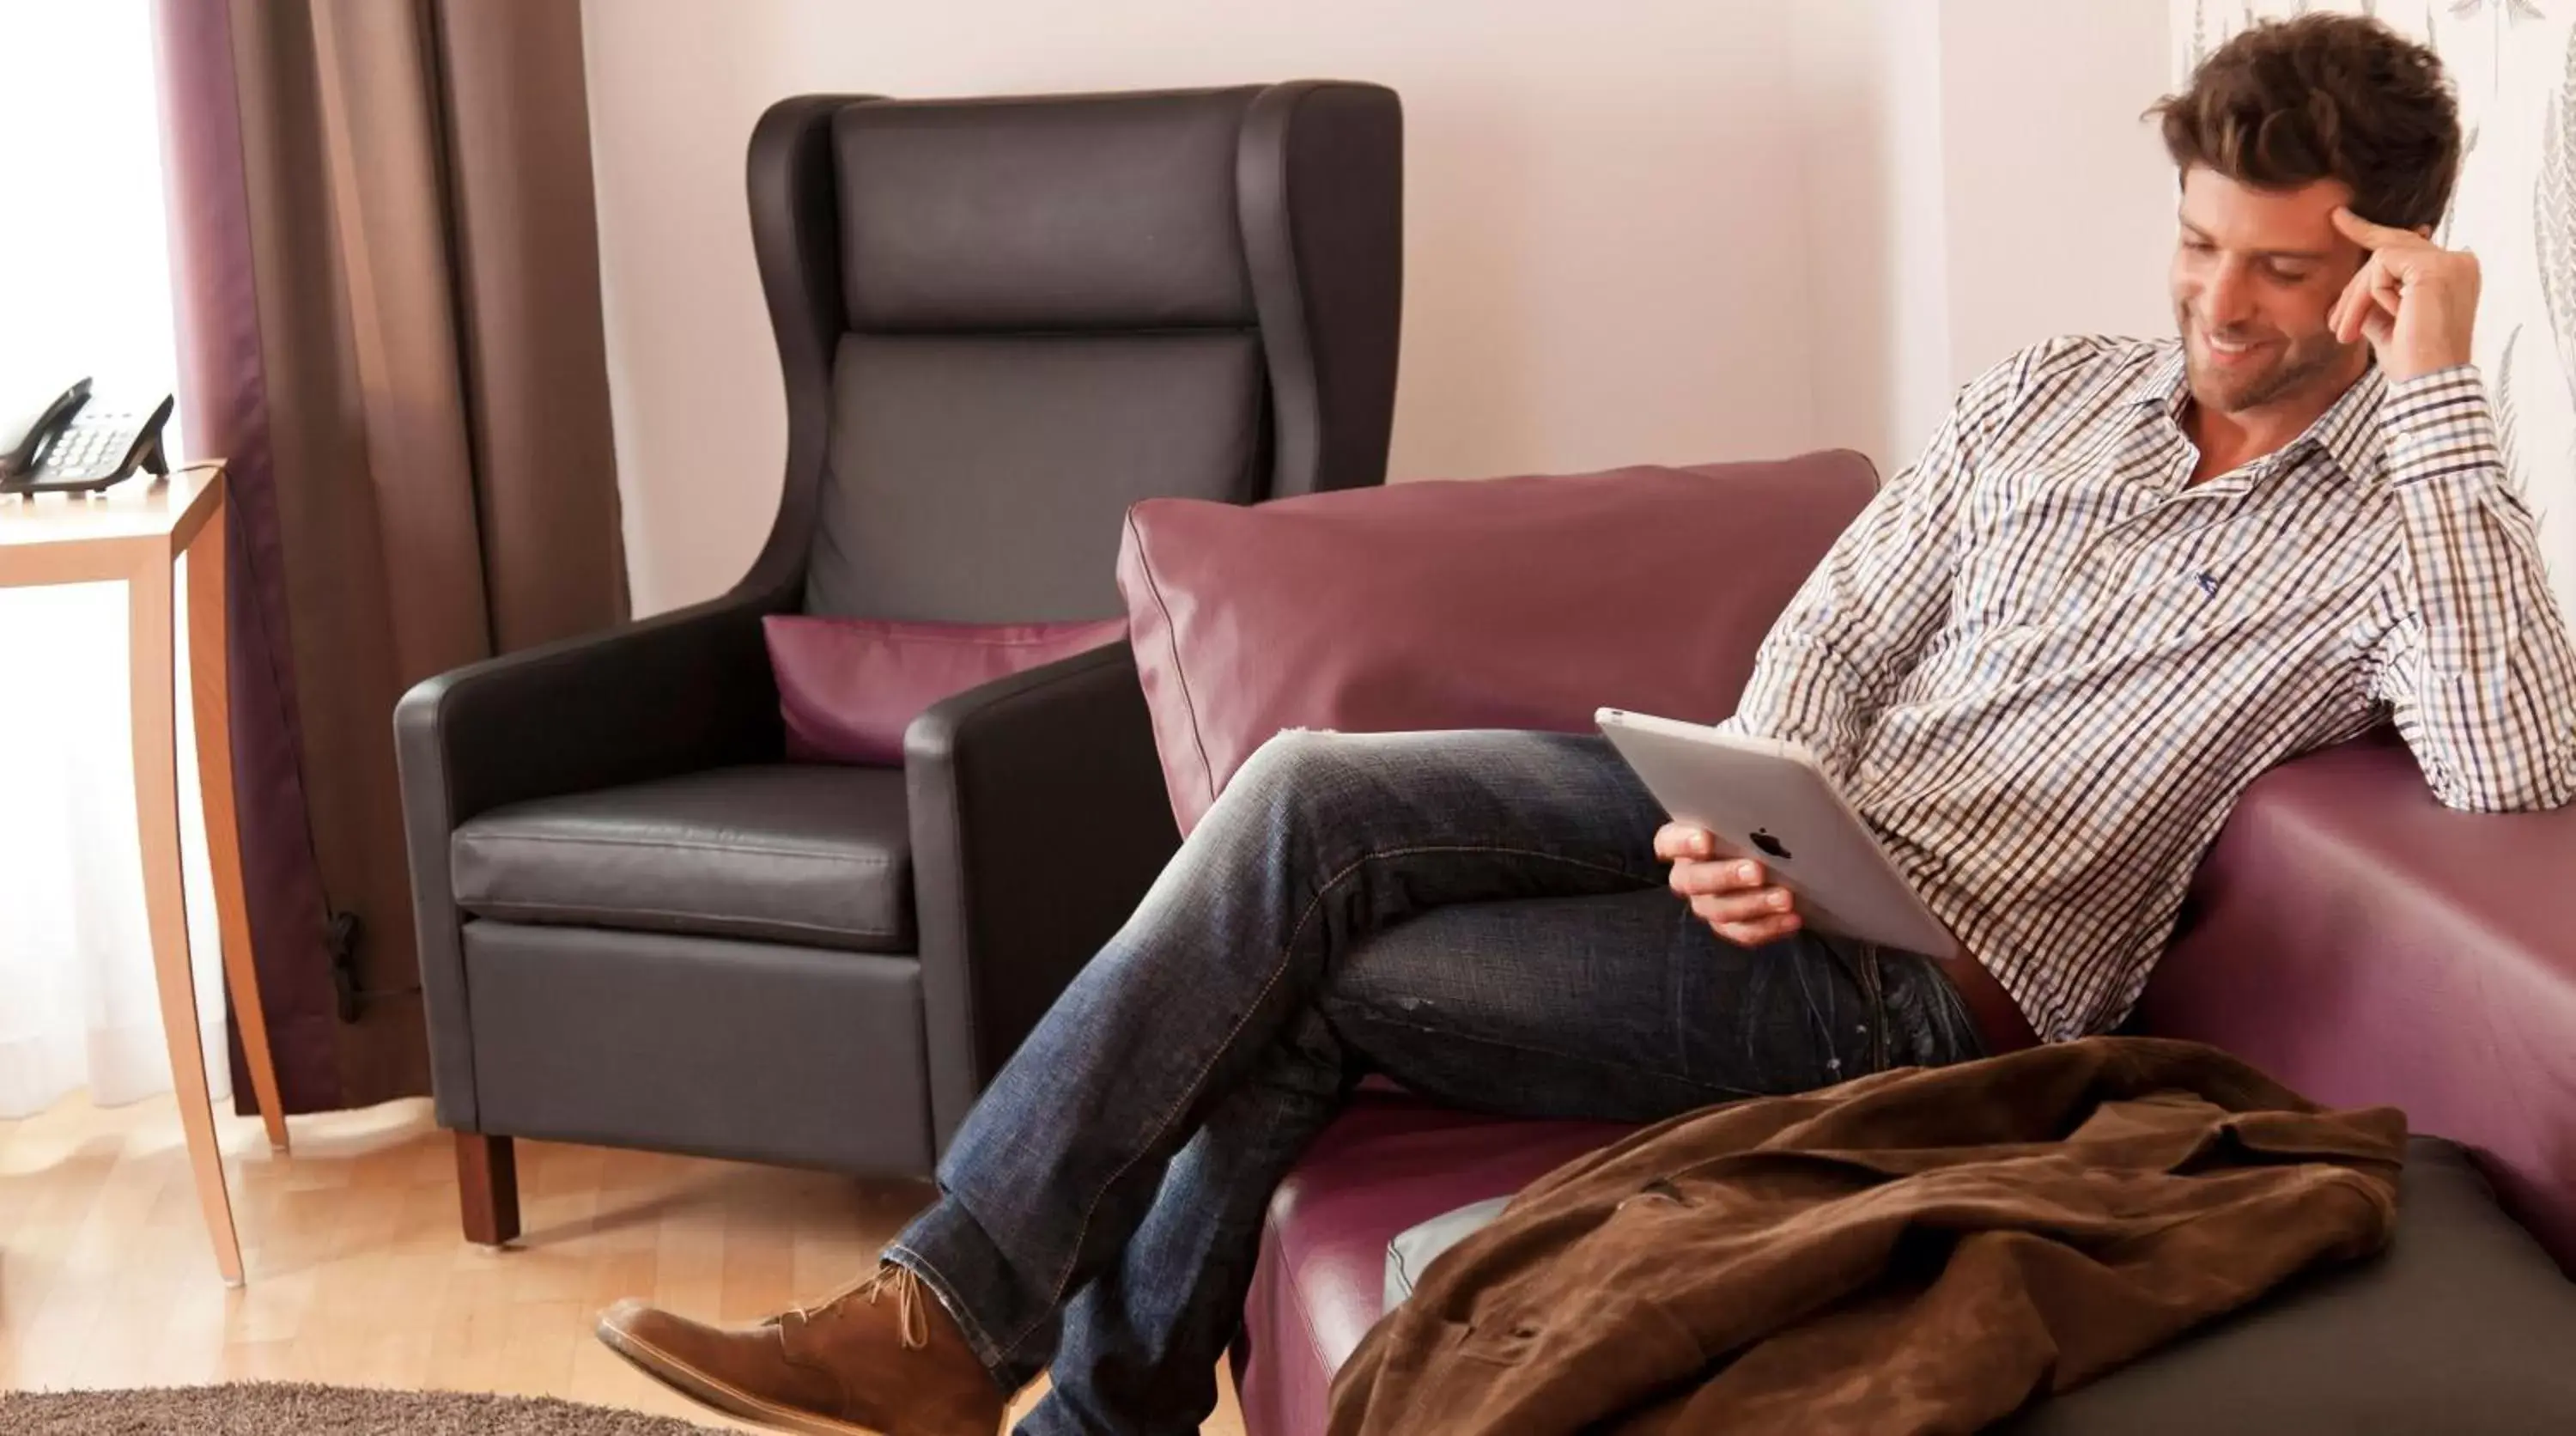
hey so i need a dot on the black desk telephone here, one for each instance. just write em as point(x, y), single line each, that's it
point(69, 447)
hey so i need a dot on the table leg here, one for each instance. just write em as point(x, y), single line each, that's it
point(165, 900)
point(207, 688)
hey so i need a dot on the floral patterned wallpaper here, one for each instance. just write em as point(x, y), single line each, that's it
point(2514, 65)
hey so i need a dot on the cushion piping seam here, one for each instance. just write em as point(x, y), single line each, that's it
point(1172, 644)
point(488, 907)
point(580, 840)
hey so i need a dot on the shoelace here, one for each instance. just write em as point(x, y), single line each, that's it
point(894, 1276)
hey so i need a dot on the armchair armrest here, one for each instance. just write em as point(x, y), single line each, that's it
point(682, 690)
point(1039, 819)
point(2364, 944)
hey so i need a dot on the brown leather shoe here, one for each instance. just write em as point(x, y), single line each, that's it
point(851, 1365)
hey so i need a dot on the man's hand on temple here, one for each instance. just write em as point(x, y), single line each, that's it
point(1726, 893)
point(2416, 302)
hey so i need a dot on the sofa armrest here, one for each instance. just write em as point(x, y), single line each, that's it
point(679, 691)
point(1039, 819)
point(2364, 944)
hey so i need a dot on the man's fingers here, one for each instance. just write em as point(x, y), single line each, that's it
point(1731, 875)
point(1741, 907)
point(1718, 909)
point(2375, 309)
point(2343, 301)
point(2375, 236)
point(1677, 842)
point(2389, 289)
point(1755, 934)
point(2345, 317)
point(1757, 906)
point(2374, 290)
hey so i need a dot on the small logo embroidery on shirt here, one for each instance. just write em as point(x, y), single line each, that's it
point(2209, 584)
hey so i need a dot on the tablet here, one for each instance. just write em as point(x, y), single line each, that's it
point(1772, 801)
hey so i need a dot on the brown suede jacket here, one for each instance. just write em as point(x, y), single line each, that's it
point(1919, 1250)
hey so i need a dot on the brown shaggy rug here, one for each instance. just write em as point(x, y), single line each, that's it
point(268, 1408)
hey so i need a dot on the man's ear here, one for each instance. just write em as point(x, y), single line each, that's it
point(2425, 230)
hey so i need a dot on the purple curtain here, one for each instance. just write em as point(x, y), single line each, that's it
point(385, 260)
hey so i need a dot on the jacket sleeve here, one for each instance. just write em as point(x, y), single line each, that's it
point(2475, 666)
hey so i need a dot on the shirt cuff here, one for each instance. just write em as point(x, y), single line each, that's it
point(2438, 425)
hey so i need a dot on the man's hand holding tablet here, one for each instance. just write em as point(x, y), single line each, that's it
point(1764, 844)
point(1727, 893)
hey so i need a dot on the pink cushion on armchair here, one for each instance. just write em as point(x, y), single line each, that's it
point(1494, 603)
point(848, 687)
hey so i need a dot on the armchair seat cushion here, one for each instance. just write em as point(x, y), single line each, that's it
point(817, 856)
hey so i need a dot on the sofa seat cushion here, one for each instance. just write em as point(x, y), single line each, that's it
point(797, 853)
point(1388, 1162)
point(2461, 1326)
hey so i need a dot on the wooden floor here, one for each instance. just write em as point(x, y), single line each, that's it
point(357, 1274)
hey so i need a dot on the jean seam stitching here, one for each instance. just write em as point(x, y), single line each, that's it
point(1603, 1062)
point(1823, 1027)
point(991, 1356)
point(1882, 1047)
point(1163, 1125)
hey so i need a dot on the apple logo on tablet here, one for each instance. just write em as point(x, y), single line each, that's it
point(1769, 844)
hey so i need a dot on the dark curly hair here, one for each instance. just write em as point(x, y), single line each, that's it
point(2323, 96)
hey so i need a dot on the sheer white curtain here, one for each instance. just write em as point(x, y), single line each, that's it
point(84, 289)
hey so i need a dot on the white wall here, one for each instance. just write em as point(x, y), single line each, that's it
point(2059, 200)
point(1659, 230)
point(1878, 316)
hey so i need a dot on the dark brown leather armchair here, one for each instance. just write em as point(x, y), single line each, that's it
point(1000, 322)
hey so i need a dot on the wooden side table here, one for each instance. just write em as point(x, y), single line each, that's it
point(135, 532)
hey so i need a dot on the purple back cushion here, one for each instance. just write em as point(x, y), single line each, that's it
point(1492, 603)
point(848, 687)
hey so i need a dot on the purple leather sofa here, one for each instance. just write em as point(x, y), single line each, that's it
point(2346, 934)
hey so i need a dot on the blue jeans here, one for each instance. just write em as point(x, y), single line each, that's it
point(1101, 1207)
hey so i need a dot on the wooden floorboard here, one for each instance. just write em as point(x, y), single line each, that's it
point(357, 1274)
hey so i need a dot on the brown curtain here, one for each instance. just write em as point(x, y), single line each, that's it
point(386, 264)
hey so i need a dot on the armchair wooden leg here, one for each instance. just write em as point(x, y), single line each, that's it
point(487, 1177)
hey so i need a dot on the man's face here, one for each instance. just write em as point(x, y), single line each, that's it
point(2255, 273)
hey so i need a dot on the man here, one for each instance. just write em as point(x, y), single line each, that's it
point(2124, 579)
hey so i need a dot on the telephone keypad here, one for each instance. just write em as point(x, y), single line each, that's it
point(85, 450)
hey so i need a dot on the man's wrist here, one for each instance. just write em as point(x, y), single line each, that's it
point(2438, 425)
point(2407, 370)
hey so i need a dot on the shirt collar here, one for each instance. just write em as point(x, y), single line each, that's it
point(2348, 431)
point(2161, 383)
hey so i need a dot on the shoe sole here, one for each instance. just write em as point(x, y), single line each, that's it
point(716, 1395)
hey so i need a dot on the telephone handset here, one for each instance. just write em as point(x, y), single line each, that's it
point(27, 437)
point(68, 446)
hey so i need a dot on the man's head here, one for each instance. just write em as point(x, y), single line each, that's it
point(2281, 125)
